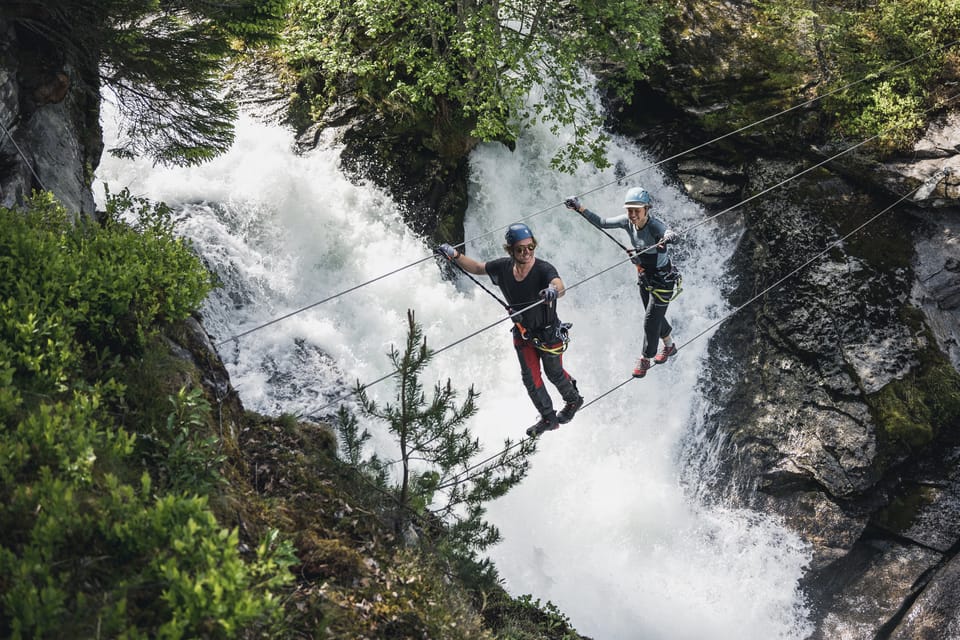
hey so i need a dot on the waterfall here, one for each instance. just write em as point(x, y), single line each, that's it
point(605, 526)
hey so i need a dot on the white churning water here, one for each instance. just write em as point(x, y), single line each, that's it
point(604, 526)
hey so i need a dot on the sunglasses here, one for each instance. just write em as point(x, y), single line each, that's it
point(525, 248)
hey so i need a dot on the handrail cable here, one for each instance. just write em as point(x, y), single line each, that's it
point(466, 475)
point(463, 477)
point(23, 155)
point(618, 263)
point(440, 350)
point(319, 302)
point(870, 76)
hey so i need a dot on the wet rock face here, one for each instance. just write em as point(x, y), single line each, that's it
point(938, 151)
point(937, 287)
point(822, 330)
point(709, 182)
point(868, 593)
point(424, 167)
point(44, 141)
point(826, 330)
point(934, 615)
point(14, 174)
point(430, 187)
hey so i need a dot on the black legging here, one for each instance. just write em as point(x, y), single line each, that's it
point(655, 324)
point(530, 360)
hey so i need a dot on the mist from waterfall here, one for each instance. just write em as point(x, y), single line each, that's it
point(606, 525)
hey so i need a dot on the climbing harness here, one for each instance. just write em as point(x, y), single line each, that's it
point(619, 179)
point(553, 345)
point(558, 344)
point(666, 295)
point(672, 279)
point(470, 472)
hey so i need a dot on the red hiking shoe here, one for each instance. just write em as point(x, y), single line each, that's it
point(641, 369)
point(665, 353)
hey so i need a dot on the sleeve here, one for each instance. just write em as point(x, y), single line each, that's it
point(615, 222)
point(657, 229)
point(494, 269)
point(547, 273)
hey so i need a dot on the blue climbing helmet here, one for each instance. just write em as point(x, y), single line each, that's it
point(517, 232)
point(637, 196)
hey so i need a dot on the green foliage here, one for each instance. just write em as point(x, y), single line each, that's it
point(137, 568)
point(525, 618)
point(187, 455)
point(82, 552)
point(163, 61)
point(471, 66)
point(352, 442)
point(915, 409)
point(79, 289)
point(900, 47)
point(905, 419)
point(204, 585)
point(894, 116)
point(435, 452)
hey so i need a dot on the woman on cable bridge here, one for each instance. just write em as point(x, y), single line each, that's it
point(657, 277)
point(538, 335)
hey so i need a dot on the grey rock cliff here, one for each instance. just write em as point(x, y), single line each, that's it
point(44, 142)
point(834, 393)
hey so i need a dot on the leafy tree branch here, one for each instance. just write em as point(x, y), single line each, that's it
point(909, 45)
point(164, 60)
point(472, 65)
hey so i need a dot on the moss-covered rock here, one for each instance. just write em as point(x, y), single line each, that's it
point(918, 408)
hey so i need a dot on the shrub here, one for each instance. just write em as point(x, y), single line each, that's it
point(82, 552)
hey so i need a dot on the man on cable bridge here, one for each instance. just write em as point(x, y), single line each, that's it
point(538, 335)
point(658, 279)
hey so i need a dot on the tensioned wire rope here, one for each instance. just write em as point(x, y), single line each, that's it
point(23, 155)
point(466, 474)
point(598, 188)
point(313, 413)
point(387, 494)
point(870, 76)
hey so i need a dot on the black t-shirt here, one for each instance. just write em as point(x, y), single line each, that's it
point(525, 292)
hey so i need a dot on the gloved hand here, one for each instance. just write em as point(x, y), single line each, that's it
point(669, 236)
point(447, 250)
point(643, 281)
point(572, 203)
point(549, 294)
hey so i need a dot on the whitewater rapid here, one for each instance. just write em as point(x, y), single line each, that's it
point(606, 525)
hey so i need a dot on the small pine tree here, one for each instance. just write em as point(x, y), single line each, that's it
point(435, 481)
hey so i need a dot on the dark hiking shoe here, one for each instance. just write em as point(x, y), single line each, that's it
point(569, 410)
point(665, 353)
point(547, 423)
point(641, 369)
